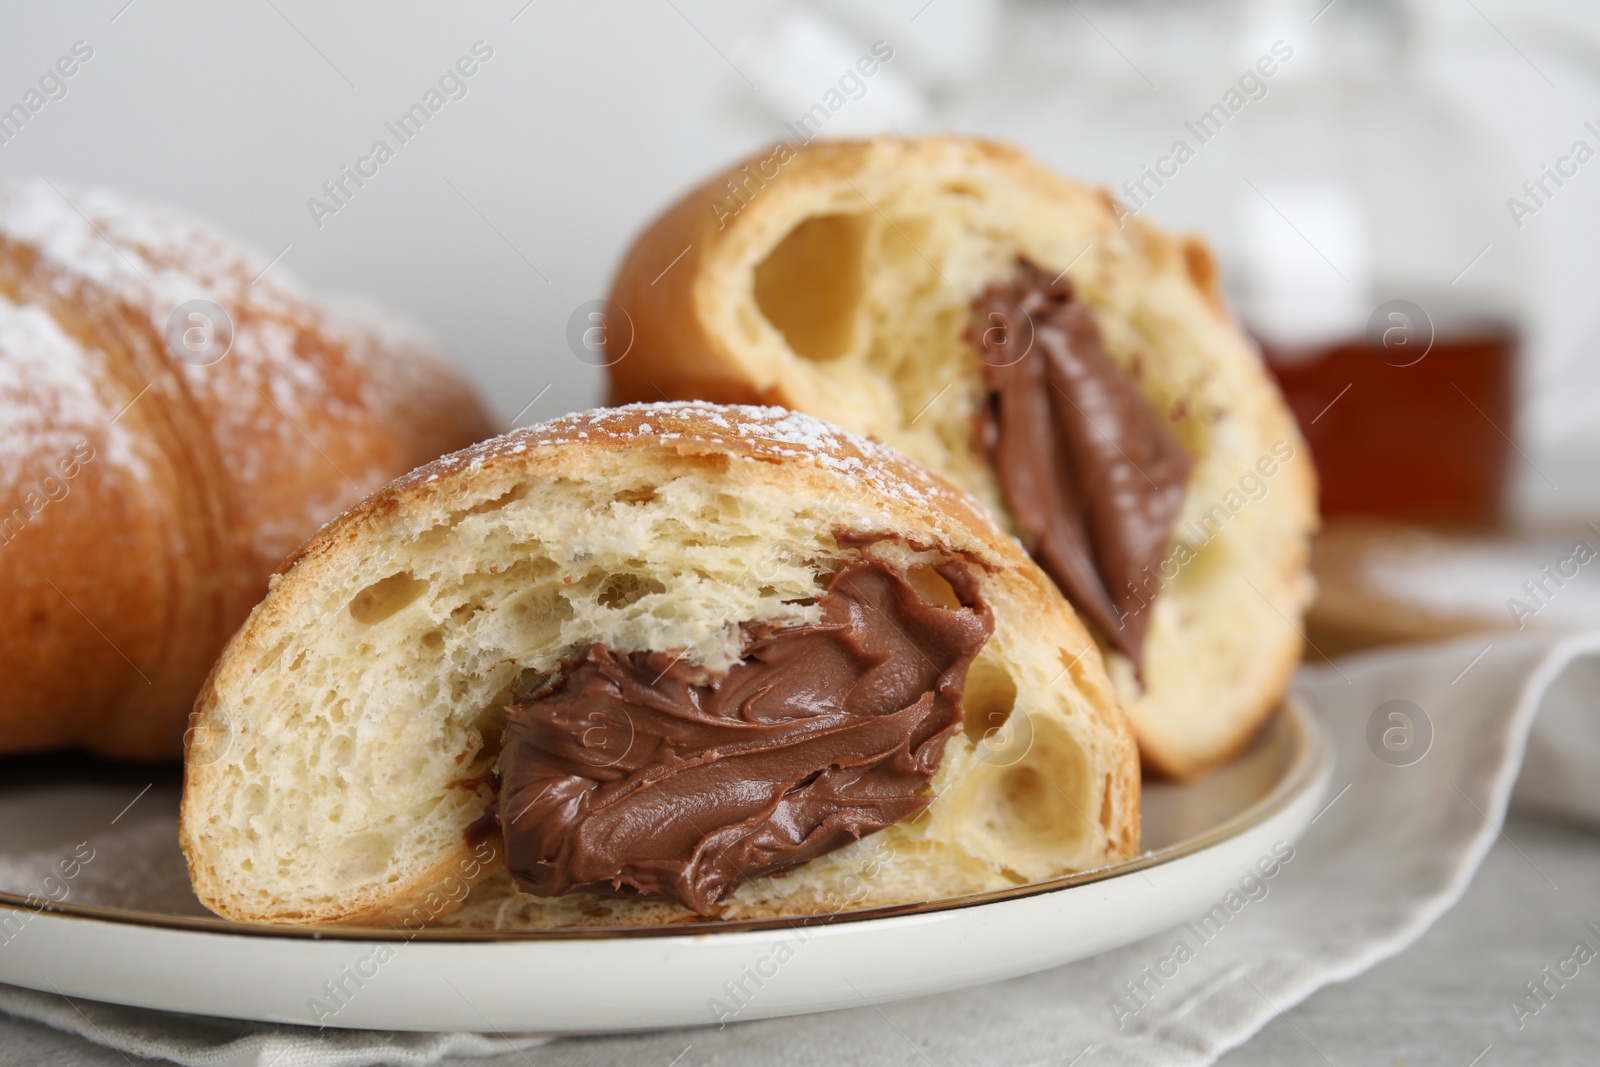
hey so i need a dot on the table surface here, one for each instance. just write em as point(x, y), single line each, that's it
point(1443, 1001)
point(1446, 999)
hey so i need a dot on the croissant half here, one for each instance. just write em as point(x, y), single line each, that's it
point(1040, 347)
point(646, 664)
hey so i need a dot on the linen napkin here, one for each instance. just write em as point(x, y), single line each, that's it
point(1429, 741)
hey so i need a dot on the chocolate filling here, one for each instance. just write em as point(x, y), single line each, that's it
point(635, 773)
point(1090, 470)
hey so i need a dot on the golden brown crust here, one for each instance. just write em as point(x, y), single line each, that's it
point(690, 429)
point(674, 355)
point(813, 459)
point(198, 478)
point(683, 346)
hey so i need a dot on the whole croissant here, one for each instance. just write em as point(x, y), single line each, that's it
point(175, 417)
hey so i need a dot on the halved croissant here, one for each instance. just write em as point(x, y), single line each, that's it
point(861, 281)
point(511, 658)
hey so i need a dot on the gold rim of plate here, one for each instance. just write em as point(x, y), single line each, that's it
point(1309, 755)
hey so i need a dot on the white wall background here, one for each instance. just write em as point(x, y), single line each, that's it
point(590, 116)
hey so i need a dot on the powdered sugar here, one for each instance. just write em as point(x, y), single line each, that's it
point(51, 399)
point(762, 433)
point(151, 259)
point(155, 259)
point(300, 389)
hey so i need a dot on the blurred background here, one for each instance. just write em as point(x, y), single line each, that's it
point(1404, 196)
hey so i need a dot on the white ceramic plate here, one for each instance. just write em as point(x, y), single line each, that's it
point(122, 926)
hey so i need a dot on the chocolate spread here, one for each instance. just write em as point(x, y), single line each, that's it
point(635, 773)
point(1089, 468)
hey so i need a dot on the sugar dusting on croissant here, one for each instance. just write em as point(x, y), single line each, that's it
point(175, 416)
